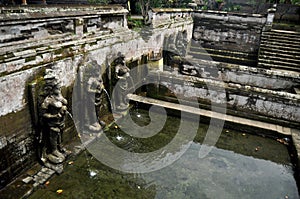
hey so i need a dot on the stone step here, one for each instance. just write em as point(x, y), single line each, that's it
point(208, 54)
point(284, 41)
point(271, 34)
point(225, 52)
point(284, 54)
point(283, 34)
point(278, 51)
point(281, 43)
point(269, 60)
point(285, 48)
point(278, 58)
point(287, 40)
point(221, 58)
point(292, 40)
point(276, 63)
point(283, 67)
point(291, 27)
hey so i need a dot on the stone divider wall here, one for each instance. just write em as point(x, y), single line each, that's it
point(160, 17)
point(245, 101)
point(228, 31)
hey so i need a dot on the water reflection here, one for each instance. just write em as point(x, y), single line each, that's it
point(233, 169)
point(223, 174)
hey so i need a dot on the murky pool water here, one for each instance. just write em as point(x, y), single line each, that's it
point(239, 166)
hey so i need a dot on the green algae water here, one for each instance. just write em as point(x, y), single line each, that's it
point(239, 166)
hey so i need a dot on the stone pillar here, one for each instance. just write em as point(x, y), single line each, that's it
point(156, 64)
point(78, 26)
point(270, 18)
point(125, 24)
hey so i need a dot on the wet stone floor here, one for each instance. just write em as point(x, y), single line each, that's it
point(239, 166)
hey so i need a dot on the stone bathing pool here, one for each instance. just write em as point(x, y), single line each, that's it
point(241, 165)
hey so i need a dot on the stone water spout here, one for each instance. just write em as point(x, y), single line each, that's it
point(95, 99)
point(124, 85)
point(94, 90)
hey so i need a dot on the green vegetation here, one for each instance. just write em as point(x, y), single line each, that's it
point(135, 24)
point(296, 2)
point(141, 7)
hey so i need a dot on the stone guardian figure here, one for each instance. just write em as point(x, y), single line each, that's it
point(54, 108)
point(122, 87)
point(95, 89)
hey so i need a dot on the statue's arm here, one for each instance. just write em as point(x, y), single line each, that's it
point(46, 114)
point(64, 101)
point(91, 83)
point(50, 116)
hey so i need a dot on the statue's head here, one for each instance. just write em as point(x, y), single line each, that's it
point(52, 85)
point(56, 90)
point(121, 58)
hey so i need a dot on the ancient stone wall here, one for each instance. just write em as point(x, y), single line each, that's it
point(228, 31)
point(217, 70)
point(244, 75)
point(268, 105)
point(64, 39)
point(161, 17)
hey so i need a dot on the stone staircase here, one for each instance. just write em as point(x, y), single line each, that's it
point(196, 51)
point(280, 49)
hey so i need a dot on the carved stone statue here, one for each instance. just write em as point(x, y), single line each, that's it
point(54, 109)
point(95, 88)
point(122, 87)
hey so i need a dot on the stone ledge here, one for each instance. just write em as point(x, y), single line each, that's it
point(50, 11)
point(293, 75)
point(211, 114)
point(54, 50)
point(250, 102)
point(215, 12)
point(241, 88)
point(171, 10)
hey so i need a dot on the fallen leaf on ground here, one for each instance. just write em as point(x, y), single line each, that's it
point(59, 191)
